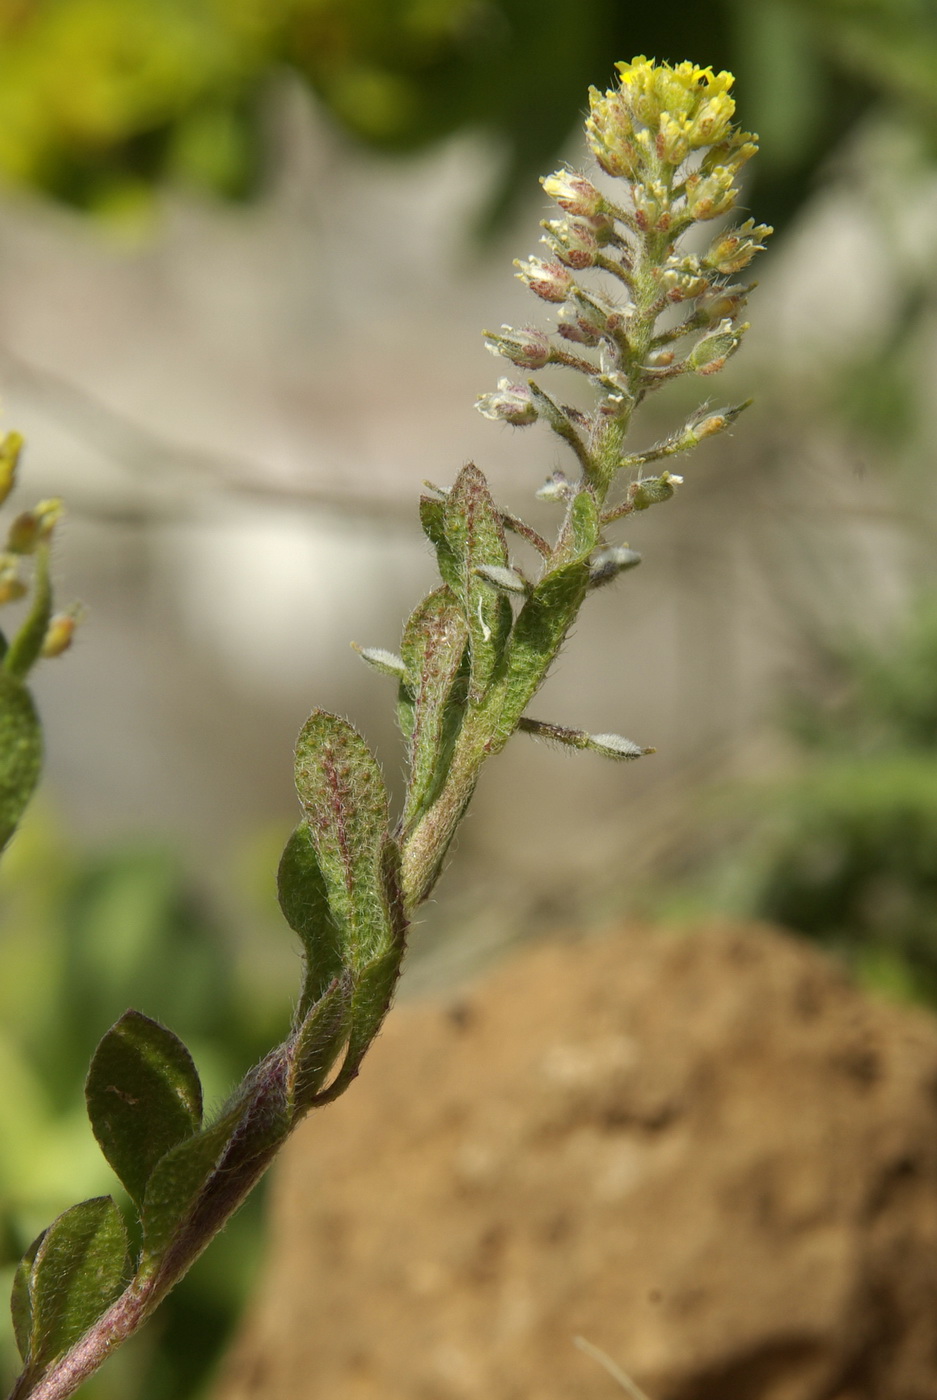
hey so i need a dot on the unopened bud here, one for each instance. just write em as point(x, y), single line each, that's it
point(594, 315)
point(572, 241)
point(549, 280)
point(712, 120)
point(708, 196)
point(673, 142)
point(511, 403)
point(610, 562)
point(384, 661)
point(735, 248)
point(651, 206)
point(10, 449)
point(59, 634)
point(611, 135)
point(33, 527)
point(653, 490)
point(711, 352)
point(555, 488)
point(706, 424)
point(721, 303)
point(574, 193)
point(529, 347)
point(614, 746)
point(507, 580)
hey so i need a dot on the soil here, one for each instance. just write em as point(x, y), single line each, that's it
point(708, 1154)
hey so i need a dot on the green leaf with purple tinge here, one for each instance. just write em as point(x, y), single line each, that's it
point(144, 1096)
point(345, 804)
point(475, 536)
point(433, 649)
point(546, 617)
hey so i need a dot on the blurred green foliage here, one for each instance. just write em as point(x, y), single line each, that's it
point(102, 99)
point(845, 853)
point(81, 940)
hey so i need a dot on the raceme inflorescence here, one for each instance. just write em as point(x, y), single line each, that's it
point(635, 308)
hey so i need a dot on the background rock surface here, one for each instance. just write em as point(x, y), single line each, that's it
point(708, 1154)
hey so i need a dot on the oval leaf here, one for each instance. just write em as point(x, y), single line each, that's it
point(21, 1303)
point(546, 617)
point(343, 796)
point(475, 536)
point(143, 1096)
point(304, 900)
point(315, 1044)
point(178, 1179)
point(194, 1188)
point(434, 642)
point(81, 1266)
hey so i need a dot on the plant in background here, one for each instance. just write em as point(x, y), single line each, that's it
point(473, 656)
point(845, 852)
point(42, 633)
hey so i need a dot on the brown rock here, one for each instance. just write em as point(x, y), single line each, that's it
point(709, 1155)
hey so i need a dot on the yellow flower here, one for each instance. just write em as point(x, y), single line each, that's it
point(697, 99)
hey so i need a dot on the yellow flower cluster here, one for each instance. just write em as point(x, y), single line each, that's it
point(664, 111)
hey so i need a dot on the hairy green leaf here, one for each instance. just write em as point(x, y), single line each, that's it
point(433, 520)
point(194, 1188)
point(21, 1303)
point(546, 617)
point(476, 537)
point(305, 903)
point(20, 752)
point(177, 1180)
point(345, 803)
point(80, 1266)
point(433, 648)
point(316, 1043)
point(143, 1095)
point(371, 998)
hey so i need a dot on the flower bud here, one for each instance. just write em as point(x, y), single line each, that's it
point(708, 196)
point(529, 347)
point(653, 490)
point(10, 449)
point(504, 579)
point(651, 206)
point(574, 193)
point(706, 423)
point(710, 353)
point(720, 304)
point(610, 562)
point(595, 315)
point(511, 403)
point(571, 326)
point(555, 488)
point(614, 746)
point(572, 241)
point(673, 142)
point(682, 278)
point(59, 634)
point(610, 133)
point(33, 527)
point(548, 280)
point(711, 122)
point(386, 662)
point(733, 152)
point(735, 248)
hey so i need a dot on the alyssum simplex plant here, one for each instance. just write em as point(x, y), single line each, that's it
point(473, 655)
